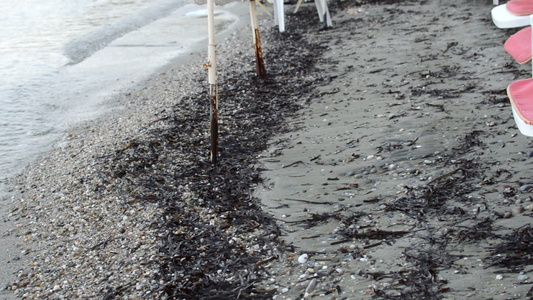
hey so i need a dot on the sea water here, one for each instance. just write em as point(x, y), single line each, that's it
point(59, 59)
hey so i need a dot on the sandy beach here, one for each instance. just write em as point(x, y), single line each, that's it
point(378, 159)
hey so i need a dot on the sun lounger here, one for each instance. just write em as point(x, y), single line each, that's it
point(518, 13)
point(520, 94)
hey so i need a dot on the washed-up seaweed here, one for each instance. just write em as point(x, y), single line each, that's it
point(316, 219)
point(421, 281)
point(515, 252)
point(440, 198)
point(214, 235)
point(479, 231)
point(431, 200)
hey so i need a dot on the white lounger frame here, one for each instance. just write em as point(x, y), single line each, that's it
point(503, 18)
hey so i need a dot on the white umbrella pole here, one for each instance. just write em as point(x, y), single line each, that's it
point(212, 67)
point(260, 64)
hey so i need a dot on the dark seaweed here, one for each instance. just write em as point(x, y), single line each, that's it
point(214, 234)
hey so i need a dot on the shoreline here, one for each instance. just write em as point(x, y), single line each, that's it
point(17, 254)
point(374, 174)
point(78, 93)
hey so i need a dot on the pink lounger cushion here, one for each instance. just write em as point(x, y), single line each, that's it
point(520, 93)
point(519, 45)
point(520, 7)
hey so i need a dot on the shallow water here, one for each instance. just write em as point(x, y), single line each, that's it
point(60, 59)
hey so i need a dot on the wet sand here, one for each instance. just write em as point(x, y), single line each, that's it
point(392, 170)
point(407, 171)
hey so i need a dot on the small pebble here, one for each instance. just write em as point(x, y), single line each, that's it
point(499, 277)
point(518, 210)
point(526, 187)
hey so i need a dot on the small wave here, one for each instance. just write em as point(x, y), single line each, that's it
point(84, 46)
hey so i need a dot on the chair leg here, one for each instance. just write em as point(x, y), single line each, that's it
point(323, 13)
point(297, 6)
point(279, 15)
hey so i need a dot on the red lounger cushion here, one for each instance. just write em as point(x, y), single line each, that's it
point(520, 93)
point(520, 7)
point(519, 45)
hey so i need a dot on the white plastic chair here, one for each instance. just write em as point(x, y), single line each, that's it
point(321, 7)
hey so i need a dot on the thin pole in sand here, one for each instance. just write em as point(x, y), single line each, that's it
point(260, 64)
point(212, 67)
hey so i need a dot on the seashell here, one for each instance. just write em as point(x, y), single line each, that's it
point(303, 258)
point(523, 277)
point(311, 286)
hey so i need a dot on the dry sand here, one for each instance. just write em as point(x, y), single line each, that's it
point(406, 171)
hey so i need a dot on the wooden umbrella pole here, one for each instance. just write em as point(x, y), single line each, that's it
point(260, 64)
point(212, 67)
